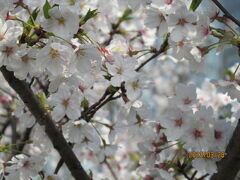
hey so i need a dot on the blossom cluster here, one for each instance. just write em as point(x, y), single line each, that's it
point(84, 61)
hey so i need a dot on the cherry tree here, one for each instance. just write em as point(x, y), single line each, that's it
point(95, 89)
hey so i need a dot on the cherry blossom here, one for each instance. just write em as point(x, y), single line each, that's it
point(182, 23)
point(54, 57)
point(121, 70)
point(62, 22)
point(65, 102)
point(185, 97)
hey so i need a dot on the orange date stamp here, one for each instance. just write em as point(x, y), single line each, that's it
point(208, 155)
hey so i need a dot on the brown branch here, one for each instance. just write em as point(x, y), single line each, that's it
point(115, 26)
point(202, 178)
point(14, 132)
point(226, 13)
point(42, 86)
point(193, 175)
point(108, 95)
point(110, 169)
point(229, 166)
point(5, 126)
point(61, 161)
point(182, 171)
point(26, 137)
point(162, 49)
point(44, 119)
point(112, 33)
point(59, 165)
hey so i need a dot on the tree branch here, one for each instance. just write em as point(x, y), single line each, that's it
point(5, 126)
point(44, 119)
point(229, 166)
point(202, 178)
point(26, 137)
point(106, 97)
point(226, 13)
point(112, 33)
point(14, 132)
point(160, 51)
point(110, 169)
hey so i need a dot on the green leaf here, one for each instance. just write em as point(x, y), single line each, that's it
point(85, 103)
point(26, 27)
point(194, 5)
point(134, 157)
point(46, 8)
point(126, 15)
point(35, 13)
point(112, 89)
point(90, 14)
point(4, 148)
point(229, 73)
point(31, 20)
point(42, 99)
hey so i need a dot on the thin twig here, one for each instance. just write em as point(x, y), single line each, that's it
point(108, 96)
point(194, 174)
point(59, 165)
point(226, 13)
point(111, 169)
point(181, 170)
point(201, 178)
point(184, 174)
point(229, 166)
point(26, 137)
point(42, 86)
point(114, 31)
point(14, 132)
point(162, 49)
point(61, 161)
point(5, 125)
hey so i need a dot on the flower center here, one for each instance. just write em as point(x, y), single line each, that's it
point(182, 21)
point(197, 134)
point(187, 101)
point(1, 37)
point(61, 21)
point(140, 121)
point(168, 2)
point(119, 70)
point(65, 102)
point(81, 52)
point(82, 88)
point(206, 31)
point(8, 50)
point(180, 43)
point(217, 134)
point(85, 140)
point(78, 125)
point(178, 122)
point(135, 85)
point(25, 58)
point(71, 2)
point(161, 18)
point(54, 53)
point(26, 164)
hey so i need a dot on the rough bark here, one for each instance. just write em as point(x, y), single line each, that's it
point(229, 166)
point(44, 119)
